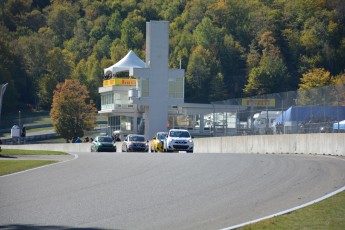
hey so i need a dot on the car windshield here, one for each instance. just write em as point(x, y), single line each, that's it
point(137, 138)
point(162, 136)
point(105, 139)
point(179, 134)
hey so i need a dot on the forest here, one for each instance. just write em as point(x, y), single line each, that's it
point(228, 48)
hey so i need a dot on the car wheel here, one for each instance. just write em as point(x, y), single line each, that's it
point(190, 151)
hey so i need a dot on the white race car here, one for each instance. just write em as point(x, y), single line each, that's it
point(178, 140)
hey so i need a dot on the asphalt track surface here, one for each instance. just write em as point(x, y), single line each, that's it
point(164, 191)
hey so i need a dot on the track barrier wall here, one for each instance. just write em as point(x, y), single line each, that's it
point(319, 143)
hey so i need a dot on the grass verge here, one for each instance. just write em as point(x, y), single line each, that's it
point(9, 152)
point(13, 166)
point(326, 214)
point(53, 140)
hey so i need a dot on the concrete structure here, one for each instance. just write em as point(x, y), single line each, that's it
point(160, 86)
point(151, 97)
point(320, 143)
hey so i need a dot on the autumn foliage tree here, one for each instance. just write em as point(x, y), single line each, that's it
point(312, 85)
point(271, 73)
point(72, 113)
point(241, 48)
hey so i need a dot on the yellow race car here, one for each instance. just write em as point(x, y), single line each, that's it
point(157, 142)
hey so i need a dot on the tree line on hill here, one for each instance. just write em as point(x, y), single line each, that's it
point(229, 48)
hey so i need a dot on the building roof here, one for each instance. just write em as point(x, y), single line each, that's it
point(131, 60)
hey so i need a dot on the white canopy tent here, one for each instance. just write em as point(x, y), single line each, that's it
point(131, 60)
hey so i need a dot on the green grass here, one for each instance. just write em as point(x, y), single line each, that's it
point(326, 214)
point(39, 129)
point(42, 120)
point(8, 152)
point(52, 140)
point(32, 118)
point(27, 118)
point(12, 166)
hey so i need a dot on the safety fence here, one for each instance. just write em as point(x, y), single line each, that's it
point(318, 110)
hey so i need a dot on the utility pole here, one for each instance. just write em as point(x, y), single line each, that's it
point(19, 120)
point(20, 126)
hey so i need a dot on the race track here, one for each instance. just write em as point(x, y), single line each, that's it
point(164, 191)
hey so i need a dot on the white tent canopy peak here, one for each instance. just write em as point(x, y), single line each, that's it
point(131, 60)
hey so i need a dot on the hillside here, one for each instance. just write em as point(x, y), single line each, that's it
point(228, 48)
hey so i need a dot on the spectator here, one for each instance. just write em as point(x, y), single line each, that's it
point(78, 140)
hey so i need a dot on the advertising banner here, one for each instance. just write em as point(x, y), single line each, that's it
point(120, 81)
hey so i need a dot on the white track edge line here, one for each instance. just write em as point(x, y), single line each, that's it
point(43, 166)
point(288, 210)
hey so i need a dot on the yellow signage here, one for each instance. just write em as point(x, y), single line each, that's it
point(259, 102)
point(120, 81)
